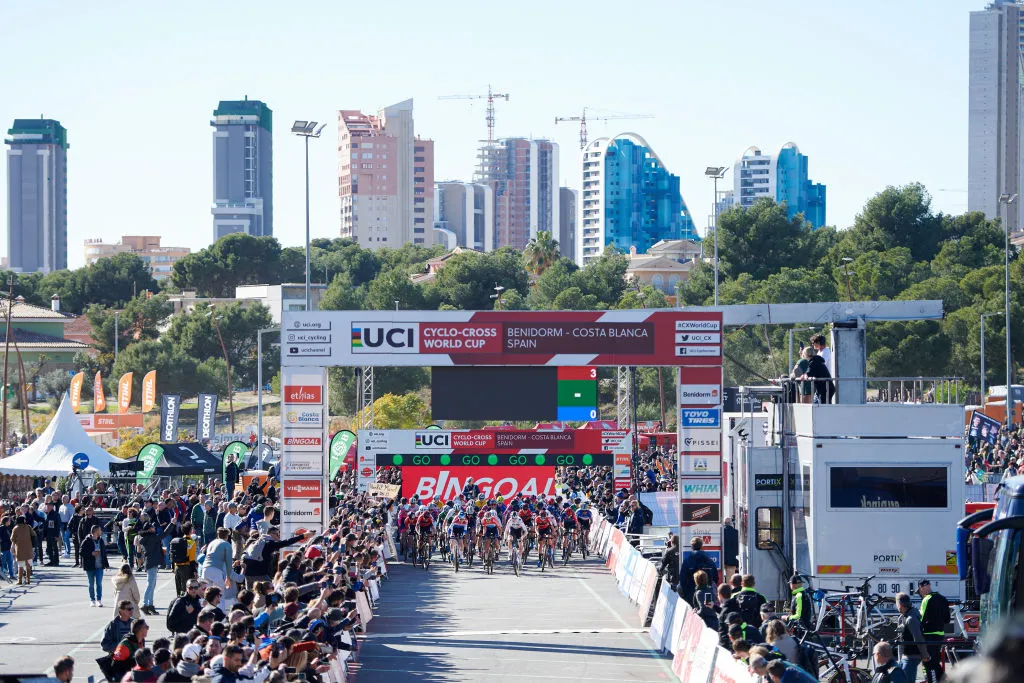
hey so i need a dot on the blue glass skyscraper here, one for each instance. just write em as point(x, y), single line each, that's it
point(629, 199)
point(784, 178)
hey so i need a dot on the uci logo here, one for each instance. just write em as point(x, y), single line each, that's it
point(433, 439)
point(385, 338)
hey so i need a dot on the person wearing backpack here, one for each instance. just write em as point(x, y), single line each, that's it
point(178, 551)
point(935, 617)
point(750, 602)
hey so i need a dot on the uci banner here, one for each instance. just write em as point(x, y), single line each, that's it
point(340, 445)
point(76, 391)
point(149, 391)
point(206, 426)
point(170, 411)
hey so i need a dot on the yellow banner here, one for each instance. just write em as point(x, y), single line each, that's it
point(99, 401)
point(149, 391)
point(124, 392)
point(76, 391)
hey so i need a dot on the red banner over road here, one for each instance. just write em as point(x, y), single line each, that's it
point(447, 482)
point(570, 338)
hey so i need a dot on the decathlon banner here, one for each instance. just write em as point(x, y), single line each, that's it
point(429, 338)
point(206, 425)
point(170, 411)
point(447, 482)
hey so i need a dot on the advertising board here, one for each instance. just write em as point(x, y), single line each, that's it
point(303, 505)
point(436, 338)
point(447, 482)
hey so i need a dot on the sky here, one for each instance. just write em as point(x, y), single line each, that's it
point(873, 92)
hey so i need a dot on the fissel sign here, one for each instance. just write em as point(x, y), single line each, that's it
point(701, 441)
point(432, 338)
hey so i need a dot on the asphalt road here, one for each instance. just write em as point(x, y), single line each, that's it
point(571, 624)
point(52, 617)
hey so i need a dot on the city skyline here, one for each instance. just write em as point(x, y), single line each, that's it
point(905, 124)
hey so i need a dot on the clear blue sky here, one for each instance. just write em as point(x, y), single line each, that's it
point(874, 92)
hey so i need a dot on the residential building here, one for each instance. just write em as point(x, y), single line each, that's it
point(38, 334)
point(523, 175)
point(629, 199)
point(994, 137)
point(783, 178)
point(567, 222)
point(161, 260)
point(433, 266)
point(665, 265)
point(243, 178)
point(464, 212)
point(385, 178)
point(37, 196)
point(281, 298)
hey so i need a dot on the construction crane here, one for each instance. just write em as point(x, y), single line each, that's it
point(582, 118)
point(490, 97)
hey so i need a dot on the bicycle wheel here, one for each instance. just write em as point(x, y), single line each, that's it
point(566, 550)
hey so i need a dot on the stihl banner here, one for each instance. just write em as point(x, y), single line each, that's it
point(447, 483)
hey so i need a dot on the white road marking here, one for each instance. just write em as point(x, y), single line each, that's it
point(502, 632)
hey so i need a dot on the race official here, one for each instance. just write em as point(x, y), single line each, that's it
point(934, 619)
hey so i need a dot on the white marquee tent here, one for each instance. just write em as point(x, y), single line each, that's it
point(51, 453)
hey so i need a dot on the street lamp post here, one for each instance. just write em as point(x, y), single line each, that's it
point(498, 289)
point(259, 388)
point(716, 173)
point(307, 130)
point(846, 268)
point(231, 403)
point(983, 316)
point(116, 345)
point(1006, 200)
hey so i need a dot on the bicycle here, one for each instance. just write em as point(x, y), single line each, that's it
point(546, 552)
point(568, 545)
point(490, 554)
point(585, 543)
point(841, 664)
point(425, 550)
point(517, 556)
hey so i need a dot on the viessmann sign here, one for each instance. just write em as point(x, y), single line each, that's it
point(427, 338)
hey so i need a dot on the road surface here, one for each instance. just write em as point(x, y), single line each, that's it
point(431, 627)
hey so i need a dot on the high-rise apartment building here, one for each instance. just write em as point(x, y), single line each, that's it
point(243, 179)
point(37, 196)
point(385, 178)
point(783, 178)
point(629, 199)
point(994, 153)
point(567, 222)
point(160, 259)
point(464, 214)
point(523, 175)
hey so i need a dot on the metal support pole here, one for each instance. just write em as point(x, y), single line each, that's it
point(309, 299)
point(116, 333)
point(1009, 353)
point(789, 368)
point(715, 212)
point(259, 388)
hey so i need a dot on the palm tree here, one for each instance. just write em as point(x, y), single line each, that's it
point(541, 252)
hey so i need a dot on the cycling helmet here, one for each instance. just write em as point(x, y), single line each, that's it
point(490, 501)
point(585, 504)
point(469, 481)
point(481, 497)
point(501, 499)
point(450, 503)
point(423, 508)
point(566, 505)
point(543, 513)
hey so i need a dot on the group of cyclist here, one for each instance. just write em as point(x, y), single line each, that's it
point(472, 522)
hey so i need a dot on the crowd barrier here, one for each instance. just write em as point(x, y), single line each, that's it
point(366, 600)
point(674, 627)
